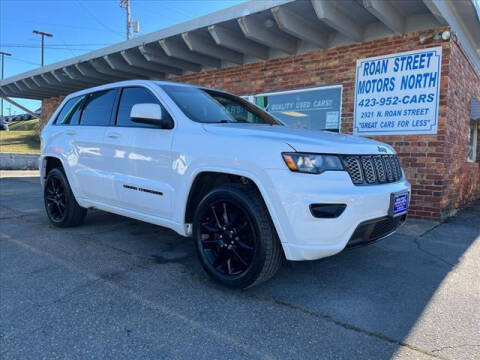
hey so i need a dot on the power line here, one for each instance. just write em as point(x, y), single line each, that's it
point(25, 61)
point(46, 47)
point(62, 44)
point(186, 16)
point(57, 25)
point(78, 2)
point(70, 49)
point(97, 19)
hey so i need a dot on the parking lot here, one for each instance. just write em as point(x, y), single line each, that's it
point(119, 288)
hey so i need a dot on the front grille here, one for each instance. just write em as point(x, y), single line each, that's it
point(353, 167)
point(372, 169)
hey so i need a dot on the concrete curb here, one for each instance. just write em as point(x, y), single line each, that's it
point(18, 161)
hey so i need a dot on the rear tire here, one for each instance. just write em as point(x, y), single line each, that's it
point(234, 237)
point(60, 204)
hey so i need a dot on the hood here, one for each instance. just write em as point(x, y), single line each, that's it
point(303, 140)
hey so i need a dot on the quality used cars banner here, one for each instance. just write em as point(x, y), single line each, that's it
point(398, 94)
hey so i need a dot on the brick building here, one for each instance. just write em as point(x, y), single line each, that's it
point(298, 53)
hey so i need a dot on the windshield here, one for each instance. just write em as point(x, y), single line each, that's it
point(210, 106)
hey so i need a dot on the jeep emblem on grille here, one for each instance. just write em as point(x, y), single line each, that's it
point(382, 149)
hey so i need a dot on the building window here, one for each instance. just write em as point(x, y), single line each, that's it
point(314, 108)
point(473, 141)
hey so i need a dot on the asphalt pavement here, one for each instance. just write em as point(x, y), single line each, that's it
point(117, 288)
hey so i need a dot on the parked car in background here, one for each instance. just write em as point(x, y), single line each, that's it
point(3, 124)
point(214, 167)
point(23, 117)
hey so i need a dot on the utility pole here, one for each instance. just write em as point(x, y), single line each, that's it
point(3, 68)
point(126, 5)
point(43, 34)
point(131, 24)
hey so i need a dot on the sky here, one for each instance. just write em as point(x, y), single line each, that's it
point(80, 26)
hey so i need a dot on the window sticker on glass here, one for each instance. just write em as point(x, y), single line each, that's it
point(331, 120)
point(317, 109)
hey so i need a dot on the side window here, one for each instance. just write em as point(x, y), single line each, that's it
point(98, 108)
point(70, 113)
point(131, 96)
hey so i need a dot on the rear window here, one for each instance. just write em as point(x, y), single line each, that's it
point(70, 113)
point(98, 108)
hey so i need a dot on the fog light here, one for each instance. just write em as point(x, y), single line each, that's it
point(327, 211)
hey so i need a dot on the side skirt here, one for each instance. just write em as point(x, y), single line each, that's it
point(177, 227)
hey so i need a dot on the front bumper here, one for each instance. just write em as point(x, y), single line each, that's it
point(375, 229)
point(305, 237)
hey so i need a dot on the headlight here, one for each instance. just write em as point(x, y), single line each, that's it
point(312, 163)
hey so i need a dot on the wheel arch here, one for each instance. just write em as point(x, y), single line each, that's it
point(47, 163)
point(51, 162)
point(203, 180)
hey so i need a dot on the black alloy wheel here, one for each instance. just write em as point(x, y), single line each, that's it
point(227, 238)
point(60, 203)
point(55, 199)
point(235, 239)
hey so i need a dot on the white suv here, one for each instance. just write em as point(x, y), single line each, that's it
point(213, 166)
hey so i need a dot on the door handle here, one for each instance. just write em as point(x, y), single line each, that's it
point(113, 136)
point(70, 132)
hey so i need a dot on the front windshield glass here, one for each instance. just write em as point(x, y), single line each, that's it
point(210, 106)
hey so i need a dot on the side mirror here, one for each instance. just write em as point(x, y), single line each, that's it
point(151, 114)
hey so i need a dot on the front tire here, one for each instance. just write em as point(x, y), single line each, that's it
point(235, 239)
point(60, 204)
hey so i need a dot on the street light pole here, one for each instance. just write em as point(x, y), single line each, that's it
point(43, 34)
point(3, 68)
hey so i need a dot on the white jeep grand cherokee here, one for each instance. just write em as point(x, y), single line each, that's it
point(215, 167)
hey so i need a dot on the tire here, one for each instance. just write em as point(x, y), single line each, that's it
point(224, 243)
point(57, 191)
